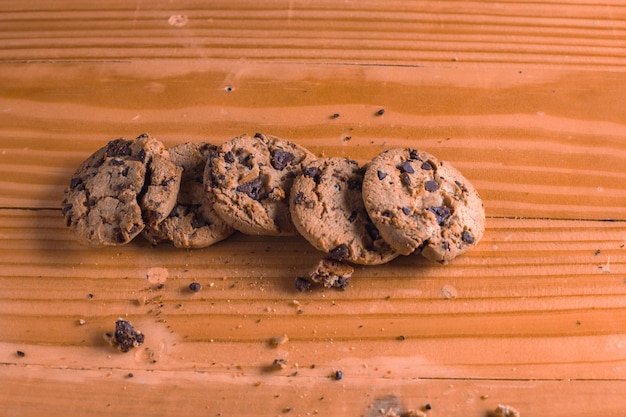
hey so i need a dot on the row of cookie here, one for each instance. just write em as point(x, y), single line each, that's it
point(197, 194)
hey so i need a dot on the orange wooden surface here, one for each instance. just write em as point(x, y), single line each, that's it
point(525, 98)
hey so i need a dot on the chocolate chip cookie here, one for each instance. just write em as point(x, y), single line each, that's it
point(119, 189)
point(192, 223)
point(251, 179)
point(327, 209)
point(420, 203)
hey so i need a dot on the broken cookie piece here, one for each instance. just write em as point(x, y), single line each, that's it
point(332, 273)
point(125, 336)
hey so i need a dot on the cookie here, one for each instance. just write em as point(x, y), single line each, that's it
point(192, 223)
point(251, 179)
point(331, 273)
point(420, 203)
point(327, 209)
point(119, 189)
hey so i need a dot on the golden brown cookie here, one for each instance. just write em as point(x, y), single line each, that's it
point(420, 203)
point(251, 179)
point(120, 188)
point(327, 209)
point(192, 223)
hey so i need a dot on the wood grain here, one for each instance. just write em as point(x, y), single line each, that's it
point(523, 97)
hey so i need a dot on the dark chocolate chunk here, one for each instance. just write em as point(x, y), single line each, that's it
point(431, 186)
point(119, 147)
point(406, 210)
point(341, 283)
point(426, 166)
point(126, 336)
point(407, 167)
point(405, 178)
point(381, 174)
point(299, 198)
point(280, 159)
point(414, 154)
point(380, 112)
point(66, 209)
point(372, 231)
point(229, 157)
point(354, 184)
point(198, 222)
point(338, 375)
point(20, 353)
point(302, 284)
point(252, 189)
point(195, 286)
point(75, 182)
point(340, 252)
point(467, 237)
point(441, 214)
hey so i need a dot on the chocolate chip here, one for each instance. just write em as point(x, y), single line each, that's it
point(120, 237)
point(414, 154)
point(380, 112)
point(299, 198)
point(195, 286)
point(467, 237)
point(75, 182)
point(445, 245)
point(372, 231)
point(167, 182)
point(198, 222)
point(302, 284)
point(280, 159)
point(334, 116)
point(405, 178)
point(406, 210)
point(66, 209)
point(338, 376)
point(229, 157)
point(441, 214)
point(119, 147)
point(431, 186)
point(252, 189)
point(312, 172)
point(426, 166)
point(407, 167)
point(341, 283)
point(354, 184)
point(381, 174)
point(141, 155)
point(20, 353)
point(339, 253)
point(259, 135)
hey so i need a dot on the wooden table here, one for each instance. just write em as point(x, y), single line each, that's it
point(526, 99)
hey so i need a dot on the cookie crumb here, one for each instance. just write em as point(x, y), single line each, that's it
point(332, 273)
point(335, 116)
point(380, 112)
point(81, 322)
point(279, 364)
point(125, 336)
point(279, 340)
point(338, 376)
point(302, 284)
point(20, 353)
point(505, 411)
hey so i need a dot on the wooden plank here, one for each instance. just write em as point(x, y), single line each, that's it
point(492, 314)
point(510, 33)
point(543, 144)
point(523, 97)
point(279, 393)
